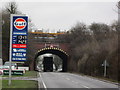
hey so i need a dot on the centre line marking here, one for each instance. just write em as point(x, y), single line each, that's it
point(67, 78)
point(85, 86)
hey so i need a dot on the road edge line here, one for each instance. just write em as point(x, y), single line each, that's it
point(44, 85)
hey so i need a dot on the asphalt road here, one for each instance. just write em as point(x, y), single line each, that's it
point(67, 80)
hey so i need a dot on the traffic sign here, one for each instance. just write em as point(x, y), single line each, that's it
point(18, 41)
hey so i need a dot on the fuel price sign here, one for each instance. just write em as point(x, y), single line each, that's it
point(18, 40)
point(21, 39)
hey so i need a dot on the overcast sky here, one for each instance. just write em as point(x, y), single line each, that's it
point(64, 15)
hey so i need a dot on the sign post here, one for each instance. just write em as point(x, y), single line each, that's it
point(105, 64)
point(18, 39)
point(105, 69)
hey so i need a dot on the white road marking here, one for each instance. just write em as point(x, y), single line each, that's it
point(67, 78)
point(43, 82)
point(80, 84)
point(75, 82)
point(85, 86)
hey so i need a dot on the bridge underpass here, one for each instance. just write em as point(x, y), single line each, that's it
point(55, 51)
point(41, 43)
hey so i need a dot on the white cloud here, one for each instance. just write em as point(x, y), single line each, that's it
point(63, 15)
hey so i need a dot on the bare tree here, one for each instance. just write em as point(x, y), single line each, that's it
point(118, 5)
point(11, 8)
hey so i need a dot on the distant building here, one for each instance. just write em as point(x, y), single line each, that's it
point(39, 30)
point(61, 31)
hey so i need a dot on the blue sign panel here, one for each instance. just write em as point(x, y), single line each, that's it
point(19, 26)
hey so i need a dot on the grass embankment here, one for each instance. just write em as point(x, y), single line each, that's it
point(21, 84)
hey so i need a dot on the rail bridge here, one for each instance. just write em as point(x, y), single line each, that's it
point(40, 43)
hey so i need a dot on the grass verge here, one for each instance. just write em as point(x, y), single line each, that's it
point(20, 84)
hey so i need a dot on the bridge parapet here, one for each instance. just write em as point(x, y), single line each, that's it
point(37, 46)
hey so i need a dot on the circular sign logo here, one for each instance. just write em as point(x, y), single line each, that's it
point(20, 23)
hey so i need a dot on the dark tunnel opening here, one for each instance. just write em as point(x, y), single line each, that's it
point(60, 53)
